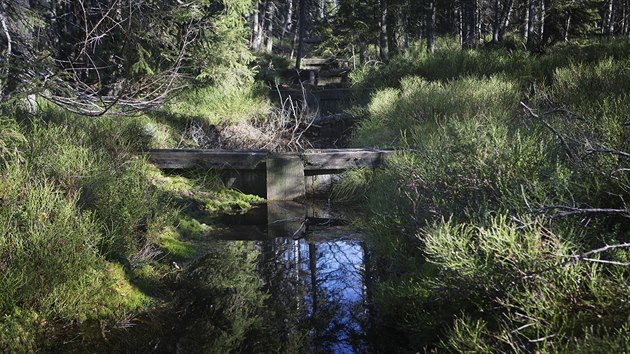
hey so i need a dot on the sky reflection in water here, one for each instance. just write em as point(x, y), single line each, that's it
point(318, 280)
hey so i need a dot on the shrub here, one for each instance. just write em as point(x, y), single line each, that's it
point(125, 207)
point(494, 276)
point(421, 105)
point(45, 240)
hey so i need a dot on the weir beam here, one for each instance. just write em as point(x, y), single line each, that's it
point(285, 177)
point(283, 173)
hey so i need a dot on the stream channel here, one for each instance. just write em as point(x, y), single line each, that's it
point(314, 265)
point(285, 277)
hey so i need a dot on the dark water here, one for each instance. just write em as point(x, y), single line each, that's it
point(312, 263)
point(286, 277)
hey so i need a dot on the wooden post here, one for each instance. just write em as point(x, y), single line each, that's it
point(320, 185)
point(285, 219)
point(285, 177)
point(311, 77)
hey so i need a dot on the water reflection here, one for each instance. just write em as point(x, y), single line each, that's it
point(288, 278)
point(313, 268)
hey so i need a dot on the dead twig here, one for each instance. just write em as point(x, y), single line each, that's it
point(571, 211)
point(566, 146)
point(605, 150)
point(585, 255)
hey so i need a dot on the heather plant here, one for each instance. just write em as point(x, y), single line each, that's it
point(451, 63)
point(501, 224)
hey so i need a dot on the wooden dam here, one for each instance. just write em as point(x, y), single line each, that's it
point(284, 174)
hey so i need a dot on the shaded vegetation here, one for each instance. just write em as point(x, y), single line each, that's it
point(91, 233)
point(510, 169)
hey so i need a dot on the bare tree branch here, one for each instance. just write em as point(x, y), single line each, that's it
point(605, 150)
point(566, 146)
point(570, 211)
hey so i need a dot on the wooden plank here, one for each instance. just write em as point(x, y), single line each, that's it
point(285, 177)
point(315, 161)
point(335, 160)
point(316, 61)
point(210, 159)
point(285, 219)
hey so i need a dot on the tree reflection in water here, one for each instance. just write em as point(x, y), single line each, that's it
point(316, 284)
point(259, 290)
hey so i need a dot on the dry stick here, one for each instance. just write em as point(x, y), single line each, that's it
point(541, 339)
point(550, 127)
point(605, 150)
point(297, 140)
point(569, 211)
point(600, 250)
point(585, 257)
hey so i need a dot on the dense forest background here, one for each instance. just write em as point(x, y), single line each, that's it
point(501, 224)
point(89, 54)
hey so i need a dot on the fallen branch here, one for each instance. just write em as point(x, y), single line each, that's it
point(570, 211)
point(566, 146)
point(605, 150)
point(584, 257)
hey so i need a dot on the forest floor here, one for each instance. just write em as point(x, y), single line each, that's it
point(502, 226)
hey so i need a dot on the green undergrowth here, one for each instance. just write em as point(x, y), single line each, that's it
point(518, 66)
point(222, 104)
point(497, 186)
point(90, 232)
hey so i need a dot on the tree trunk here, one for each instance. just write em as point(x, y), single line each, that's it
point(431, 27)
point(609, 23)
point(526, 23)
point(505, 21)
point(495, 23)
point(269, 17)
point(531, 24)
point(382, 44)
point(363, 53)
point(405, 26)
point(478, 23)
point(6, 56)
point(460, 23)
point(542, 35)
point(392, 38)
point(302, 23)
point(19, 36)
point(257, 30)
point(567, 26)
point(469, 24)
point(288, 20)
point(321, 9)
point(625, 17)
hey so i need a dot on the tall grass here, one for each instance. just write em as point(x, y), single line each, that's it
point(519, 66)
point(465, 220)
point(71, 200)
point(222, 104)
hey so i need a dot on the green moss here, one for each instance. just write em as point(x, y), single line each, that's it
point(20, 331)
point(192, 228)
point(229, 201)
point(178, 249)
point(103, 293)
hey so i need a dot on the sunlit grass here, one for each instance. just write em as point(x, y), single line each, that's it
point(457, 218)
point(222, 105)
